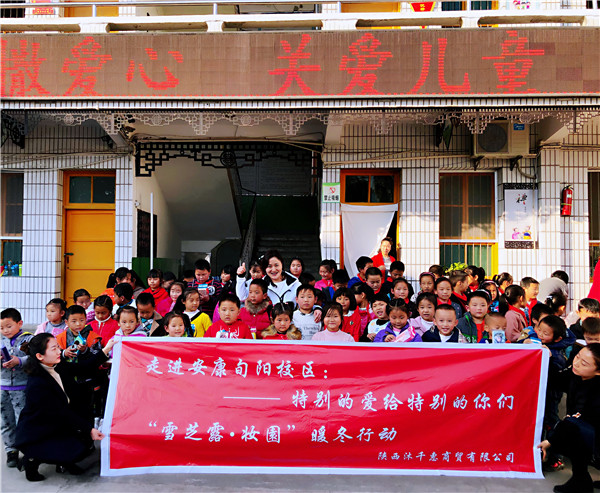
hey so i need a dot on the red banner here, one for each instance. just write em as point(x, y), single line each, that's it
point(294, 407)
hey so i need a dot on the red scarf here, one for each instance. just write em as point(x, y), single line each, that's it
point(518, 310)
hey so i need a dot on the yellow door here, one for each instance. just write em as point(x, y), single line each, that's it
point(110, 11)
point(89, 250)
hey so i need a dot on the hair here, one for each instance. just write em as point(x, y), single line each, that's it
point(361, 262)
point(557, 324)
point(445, 308)
point(188, 273)
point(589, 304)
point(595, 350)
point(175, 314)
point(36, 345)
point(397, 304)
point(373, 271)
point(282, 309)
point(400, 280)
point(362, 288)
point(126, 309)
point(268, 256)
point(202, 264)
point(556, 300)
point(62, 304)
point(327, 265)
point(380, 297)
point(538, 310)
point(440, 280)
point(437, 270)
point(81, 292)
point(306, 287)
point(477, 272)
point(485, 284)
point(261, 283)
point(186, 294)
point(457, 276)
point(388, 239)
point(397, 265)
point(528, 281)
point(155, 274)
point(591, 325)
point(299, 260)
point(11, 313)
point(503, 277)
point(137, 280)
point(231, 297)
point(254, 265)
point(562, 275)
point(120, 273)
point(432, 298)
point(180, 284)
point(427, 274)
point(348, 294)
point(480, 293)
point(340, 276)
point(513, 293)
point(105, 301)
point(306, 278)
point(124, 289)
point(145, 299)
point(74, 310)
point(333, 306)
point(168, 276)
point(228, 269)
point(488, 318)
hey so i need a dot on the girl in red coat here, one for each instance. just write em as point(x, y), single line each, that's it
point(282, 327)
point(352, 321)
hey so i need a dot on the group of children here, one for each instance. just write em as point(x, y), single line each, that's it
point(377, 305)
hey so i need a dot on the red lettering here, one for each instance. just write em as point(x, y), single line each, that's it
point(170, 82)
point(19, 66)
point(293, 71)
point(86, 61)
point(367, 61)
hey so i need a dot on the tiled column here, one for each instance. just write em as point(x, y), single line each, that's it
point(330, 221)
point(124, 212)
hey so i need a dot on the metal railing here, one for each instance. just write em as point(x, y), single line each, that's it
point(249, 236)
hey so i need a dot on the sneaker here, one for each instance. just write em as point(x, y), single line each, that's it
point(12, 458)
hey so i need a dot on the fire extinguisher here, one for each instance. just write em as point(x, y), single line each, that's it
point(566, 201)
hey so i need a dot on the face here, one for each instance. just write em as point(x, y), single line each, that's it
point(461, 286)
point(545, 333)
point(478, 308)
point(128, 322)
point(167, 285)
point(282, 323)
point(9, 328)
point(532, 291)
point(445, 321)
point(444, 290)
point(126, 279)
point(229, 312)
point(256, 273)
point(296, 268)
point(175, 291)
point(345, 302)
point(83, 301)
point(398, 319)
point(496, 323)
point(202, 275)
point(426, 310)
point(191, 303)
point(146, 311)
point(584, 365)
point(76, 323)
point(338, 285)
point(176, 327)
point(225, 277)
point(325, 273)
point(493, 290)
point(379, 309)
point(386, 248)
point(368, 266)
point(536, 323)
point(52, 355)
point(256, 295)
point(471, 279)
point(426, 284)
point(584, 313)
point(360, 299)
point(306, 300)
point(591, 338)
point(275, 269)
point(400, 291)
point(54, 314)
point(154, 283)
point(397, 274)
point(101, 312)
point(332, 321)
point(374, 282)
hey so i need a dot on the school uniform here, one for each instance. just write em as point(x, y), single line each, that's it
point(433, 335)
point(237, 330)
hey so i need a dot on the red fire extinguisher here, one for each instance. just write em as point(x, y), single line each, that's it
point(566, 201)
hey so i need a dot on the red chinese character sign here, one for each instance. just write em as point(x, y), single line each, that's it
point(211, 406)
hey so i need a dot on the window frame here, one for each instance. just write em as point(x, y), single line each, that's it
point(370, 173)
point(67, 204)
point(593, 243)
point(9, 238)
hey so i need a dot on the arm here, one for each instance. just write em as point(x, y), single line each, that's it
point(241, 289)
point(512, 328)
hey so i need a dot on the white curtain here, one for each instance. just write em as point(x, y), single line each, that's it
point(364, 227)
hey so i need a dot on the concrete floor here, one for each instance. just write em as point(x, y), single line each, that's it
point(91, 482)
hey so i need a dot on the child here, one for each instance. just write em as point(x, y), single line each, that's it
point(168, 279)
point(492, 289)
point(494, 322)
point(79, 336)
point(103, 323)
point(460, 284)
point(426, 304)
point(150, 319)
point(199, 321)
point(586, 308)
point(14, 379)
point(362, 264)
point(155, 286)
point(255, 312)
point(122, 274)
point(129, 324)
point(515, 317)
point(472, 325)
point(444, 329)
point(243, 284)
point(175, 324)
point(538, 312)
point(123, 296)
point(167, 305)
point(340, 279)
point(426, 285)
point(332, 324)
point(363, 295)
point(296, 267)
point(437, 271)
point(55, 313)
point(82, 298)
point(209, 288)
point(282, 327)
point(325, 271)
point(591, 335)
point(305, 315)
point(557, 302)
point(532, 288)
point(226, 281)
point(351, 323)
point(188, 276)
point(475, 276)
point(443, 291)
point(307, 278)
point(401, 291)
point(373, 279)
point(229, 327)
point(398, 329)
point(379, 307)
point(397, 269)
point(503, 280)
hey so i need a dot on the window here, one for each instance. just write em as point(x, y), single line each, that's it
point(86, 189)
point(594, 218)
point(366, 187)
point(467, 225)
point(11, 234)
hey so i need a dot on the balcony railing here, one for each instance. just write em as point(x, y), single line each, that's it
point(251, 15)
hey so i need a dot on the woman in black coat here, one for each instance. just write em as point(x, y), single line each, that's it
point(53, 427)
point(578, 435)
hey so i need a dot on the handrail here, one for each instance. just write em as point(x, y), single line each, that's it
point(249, 236)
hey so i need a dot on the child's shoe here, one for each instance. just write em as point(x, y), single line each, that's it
point(12, 458)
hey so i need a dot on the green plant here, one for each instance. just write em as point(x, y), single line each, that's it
point(456, 266)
